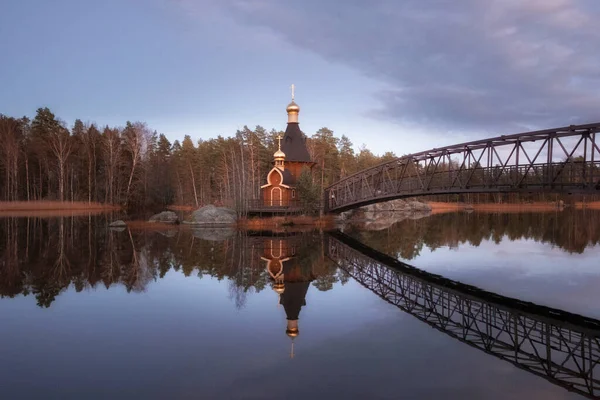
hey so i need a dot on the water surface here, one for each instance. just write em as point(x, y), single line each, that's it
point(89, 312)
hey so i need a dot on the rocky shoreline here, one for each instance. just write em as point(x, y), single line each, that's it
point(381, 216)
point(214, 221)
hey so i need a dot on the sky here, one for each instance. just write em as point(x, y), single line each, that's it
point(395, 75)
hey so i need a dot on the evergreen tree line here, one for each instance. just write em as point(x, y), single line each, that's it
point(135, 166)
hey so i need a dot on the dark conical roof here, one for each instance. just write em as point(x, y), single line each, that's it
point(294, 144)
point(288, 179)
point(294, 298)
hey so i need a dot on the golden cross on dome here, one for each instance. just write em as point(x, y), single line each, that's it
point(279, 140)
point(293, 91)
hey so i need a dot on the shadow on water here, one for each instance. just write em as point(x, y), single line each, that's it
point(43, 258)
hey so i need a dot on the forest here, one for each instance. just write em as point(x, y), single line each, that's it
point(135, 166)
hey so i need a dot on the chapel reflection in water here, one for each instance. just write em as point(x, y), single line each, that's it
point(290, 279)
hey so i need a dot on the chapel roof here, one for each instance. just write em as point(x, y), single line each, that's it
point(294, 144)
point(288, 179)
point(294, 298)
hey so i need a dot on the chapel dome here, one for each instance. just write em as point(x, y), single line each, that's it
point(293, 107)
point(279, 154)
point(279, 288)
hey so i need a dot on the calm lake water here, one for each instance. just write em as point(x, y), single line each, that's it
point(89, 312)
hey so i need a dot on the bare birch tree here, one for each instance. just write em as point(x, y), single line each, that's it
point(60, 145)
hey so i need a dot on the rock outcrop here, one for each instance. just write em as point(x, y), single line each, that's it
point(166, 217)
point(118, 224)
point(383, 215)
point(373, 211)
point(211, 215)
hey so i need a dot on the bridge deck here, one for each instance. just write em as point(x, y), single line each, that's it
point(561, 160)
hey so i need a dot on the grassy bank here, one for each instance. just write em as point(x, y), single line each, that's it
point(592, 205)
point(296, 222)
point(441, 207)
point(438, 207)
point(516, 207)
point(52, 208)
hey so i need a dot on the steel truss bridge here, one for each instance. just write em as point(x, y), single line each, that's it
point(562, 160)
point(558, 346)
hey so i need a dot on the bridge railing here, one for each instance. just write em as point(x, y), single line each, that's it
point(505, 164)
point(561, 347)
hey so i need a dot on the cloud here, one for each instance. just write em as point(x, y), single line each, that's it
point(495, 65)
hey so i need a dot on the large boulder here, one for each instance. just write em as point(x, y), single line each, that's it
point(118, 224)
point(166, 217)
point(417, 206)
point(211, 215)
point(383, 215)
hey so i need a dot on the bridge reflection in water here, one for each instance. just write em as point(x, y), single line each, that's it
point(561, 347)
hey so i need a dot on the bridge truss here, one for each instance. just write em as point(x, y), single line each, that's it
point(561, 347)
point(563, 160)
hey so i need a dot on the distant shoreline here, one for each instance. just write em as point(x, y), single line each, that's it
point(67, 208)
point(443, 207)
point(52, 208)
point(296, 222)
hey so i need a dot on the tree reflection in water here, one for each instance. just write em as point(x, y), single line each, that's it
point(43, 257)
point(569, 230)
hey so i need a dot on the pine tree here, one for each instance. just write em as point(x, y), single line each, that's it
point(308, 192)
